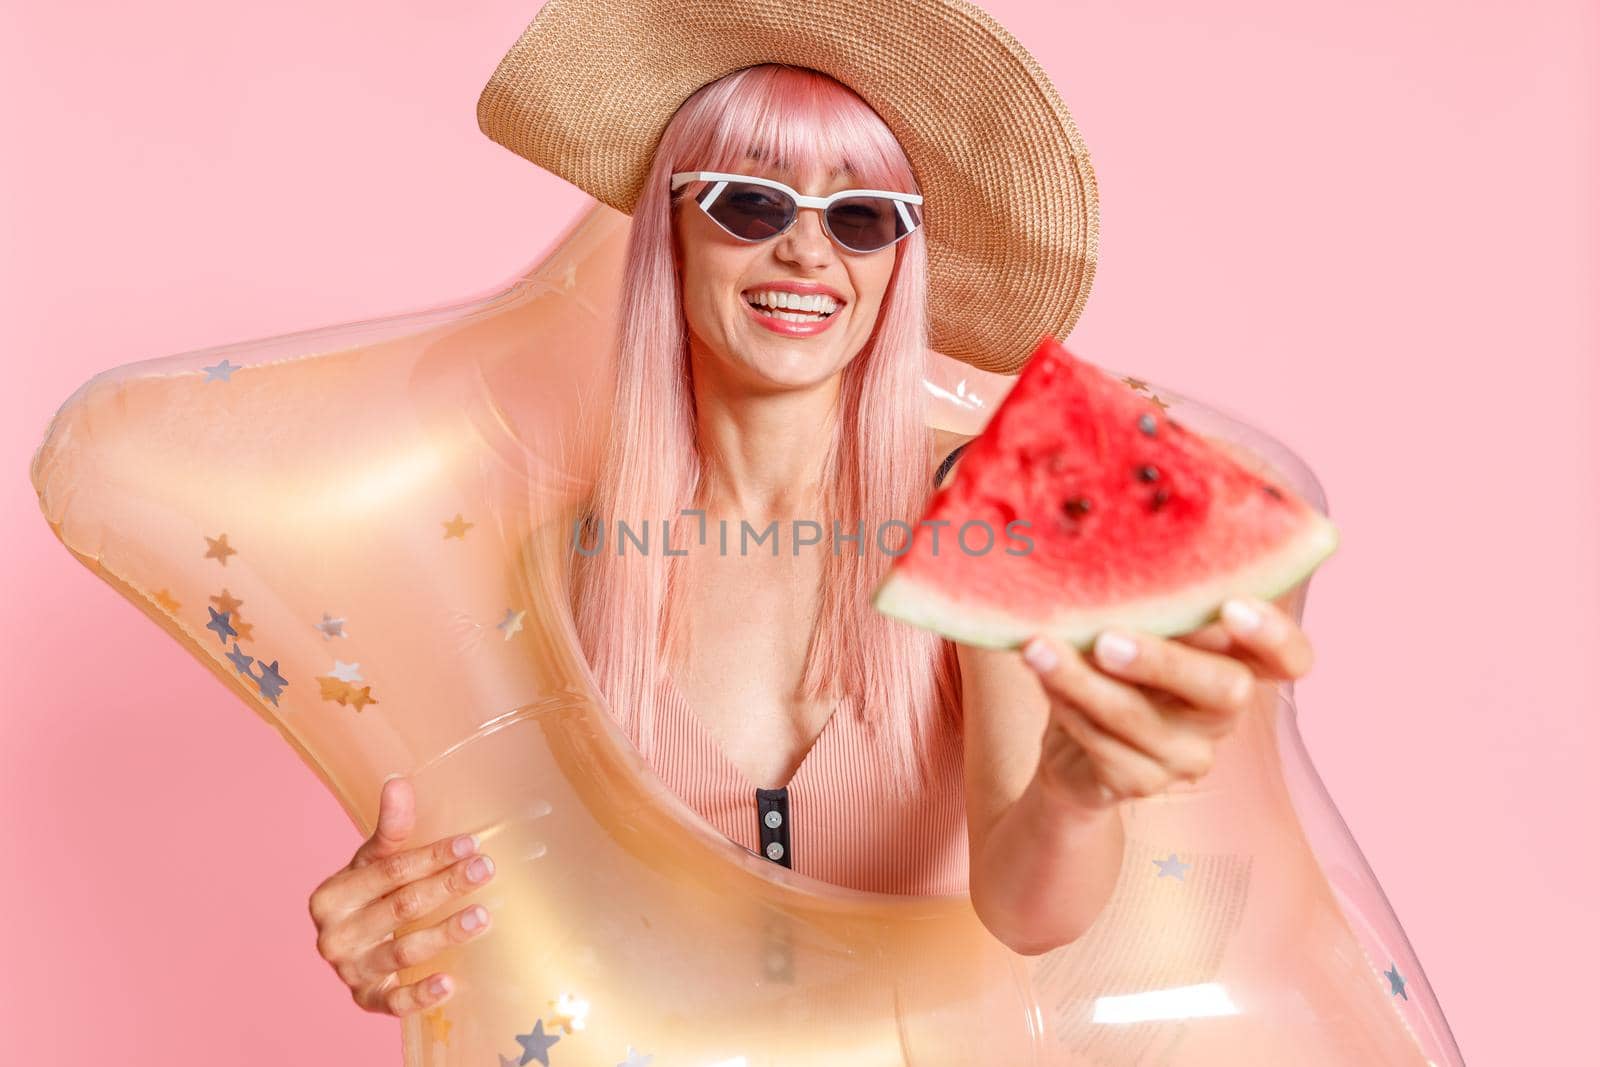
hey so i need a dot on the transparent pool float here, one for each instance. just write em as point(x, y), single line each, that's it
point(361, 530)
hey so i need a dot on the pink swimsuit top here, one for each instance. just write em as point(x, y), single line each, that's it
point(838, 818)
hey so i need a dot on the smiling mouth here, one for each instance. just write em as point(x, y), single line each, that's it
point(790, 314)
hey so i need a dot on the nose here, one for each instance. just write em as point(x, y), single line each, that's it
point(806, 243)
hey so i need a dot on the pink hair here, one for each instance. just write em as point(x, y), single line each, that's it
point(879, 456)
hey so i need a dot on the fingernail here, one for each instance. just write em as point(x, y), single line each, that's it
point(1243, 617)
point(480, 868)
point(439, 986)
point(474, 918)
point(1114, 650)
point(1039, 655)
point(464, 845)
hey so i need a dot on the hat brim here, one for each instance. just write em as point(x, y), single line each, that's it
point(1012, 220)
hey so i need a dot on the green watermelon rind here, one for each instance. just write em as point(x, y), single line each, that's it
point(1165, 614)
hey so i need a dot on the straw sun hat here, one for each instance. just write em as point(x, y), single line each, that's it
point(1012, 215)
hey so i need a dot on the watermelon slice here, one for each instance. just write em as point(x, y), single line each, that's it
point(1117, 516)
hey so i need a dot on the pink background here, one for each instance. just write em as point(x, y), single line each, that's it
point(1368, 227)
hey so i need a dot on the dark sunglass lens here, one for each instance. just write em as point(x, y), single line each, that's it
point(753, 212)
point(868, 223)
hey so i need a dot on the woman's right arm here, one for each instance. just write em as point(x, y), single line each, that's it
point(386, 885)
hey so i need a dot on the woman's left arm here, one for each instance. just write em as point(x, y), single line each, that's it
point(1055, 739)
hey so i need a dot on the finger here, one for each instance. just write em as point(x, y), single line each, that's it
point(416, 898)
point(1270, 634)
point(397, 815)
point(1216, 686)
point(1115, 707)
point(1216, 638)
point(1118, 766)
point(1071, 768)
point(1213, 637)
point(401, 1000)
point(351, 891)
point(420, 946)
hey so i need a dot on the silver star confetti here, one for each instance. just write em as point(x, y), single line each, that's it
point(346, 672)
point(1171, 865)
point(271, 683)
point(635, 1059)
point(536, 1044)
point(220, 372)
point(241, 661)
point(511, 623)
point(220, 625)
point(1397, 985)
point(570, 1012)
point(331, 627)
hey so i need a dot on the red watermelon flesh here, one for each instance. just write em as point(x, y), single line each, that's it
point(1120, 516)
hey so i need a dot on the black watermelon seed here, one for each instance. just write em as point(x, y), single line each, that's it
point(1273, 492)
point(1158, 499)
point(1147, 424)
point(1147, 473)
point(1077, 507)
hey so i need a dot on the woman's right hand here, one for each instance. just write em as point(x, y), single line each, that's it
point(386, 885)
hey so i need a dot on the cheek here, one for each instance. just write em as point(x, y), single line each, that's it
point(692, 282)
point(874, 287)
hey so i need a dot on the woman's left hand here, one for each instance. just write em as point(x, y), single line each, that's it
point(1131, 730)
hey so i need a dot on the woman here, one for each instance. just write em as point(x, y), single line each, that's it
point(916, 766)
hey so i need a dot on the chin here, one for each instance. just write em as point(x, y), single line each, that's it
point(797, 367)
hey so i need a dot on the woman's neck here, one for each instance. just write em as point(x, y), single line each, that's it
point(765, 451)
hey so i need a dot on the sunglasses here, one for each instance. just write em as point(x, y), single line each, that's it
point(755, 209)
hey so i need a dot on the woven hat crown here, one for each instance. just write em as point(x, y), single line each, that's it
point(1012, 209)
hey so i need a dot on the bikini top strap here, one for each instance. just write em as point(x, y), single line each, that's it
point(949, 461)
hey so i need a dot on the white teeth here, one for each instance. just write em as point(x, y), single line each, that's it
point(820, 304)
point(797, 316)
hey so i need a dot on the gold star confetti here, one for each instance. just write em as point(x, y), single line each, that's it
point(438, 1025)
point(339, 691)
point(229, 605)
point(1158, 402)
point(1135, 384)
point(569, 1012)
point(457, 527)
point(219, 549)
point(168, 604)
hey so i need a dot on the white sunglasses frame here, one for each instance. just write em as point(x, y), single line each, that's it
point(821, 203)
